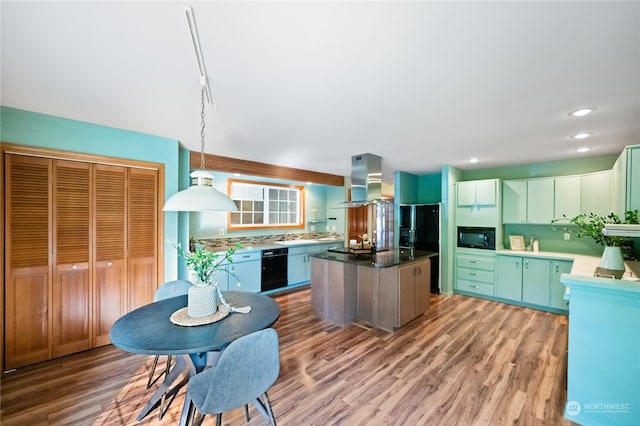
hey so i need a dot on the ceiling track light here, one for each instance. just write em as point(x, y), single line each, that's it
point(201, 195)
point(193, 32)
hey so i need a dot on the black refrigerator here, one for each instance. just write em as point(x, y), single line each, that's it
point(420, 230)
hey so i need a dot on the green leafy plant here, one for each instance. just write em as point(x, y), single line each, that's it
point(592, 225)
point(205, 263)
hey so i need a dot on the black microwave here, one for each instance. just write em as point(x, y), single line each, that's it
point(477, 237)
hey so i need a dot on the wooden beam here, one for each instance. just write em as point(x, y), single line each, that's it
point(254, 168)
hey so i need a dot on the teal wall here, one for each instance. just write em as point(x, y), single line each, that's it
point(551, 168)
point(430, 188)
point(45, 131)
point(405, 188)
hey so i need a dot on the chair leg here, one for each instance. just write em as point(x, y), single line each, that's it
point(272, 418)
point(164, 395)
point(153, 370)
point(219, 419)
point(246, 412)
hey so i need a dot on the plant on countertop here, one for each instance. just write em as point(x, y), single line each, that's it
point(205, 263)
point(592, 225)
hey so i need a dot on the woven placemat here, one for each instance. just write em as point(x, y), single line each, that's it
point(181, 317)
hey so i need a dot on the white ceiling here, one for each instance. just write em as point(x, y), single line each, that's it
point(309, 84)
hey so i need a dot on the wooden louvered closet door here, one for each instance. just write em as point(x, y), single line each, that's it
point(81, 250)
point(142, 237)
point(28, 274)
point(71, 241)
point(110, 248)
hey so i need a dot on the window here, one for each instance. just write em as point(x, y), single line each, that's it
point(266, 205)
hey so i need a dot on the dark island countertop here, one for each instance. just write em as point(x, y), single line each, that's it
point(382, 259)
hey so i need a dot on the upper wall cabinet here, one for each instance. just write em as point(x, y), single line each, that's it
point(595, 190)
point(539, 201)
point(477, 193)
point(567, 196)
point(478, 203)
point(527, 201)
point(625, 181)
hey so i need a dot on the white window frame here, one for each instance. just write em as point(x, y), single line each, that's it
point(256, 204)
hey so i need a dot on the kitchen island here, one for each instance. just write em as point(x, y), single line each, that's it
point(386, 290)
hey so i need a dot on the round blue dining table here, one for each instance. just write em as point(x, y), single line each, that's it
point(148, 330)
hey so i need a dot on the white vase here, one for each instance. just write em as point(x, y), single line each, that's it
point(612, 263)
point(612, 259)
point(202, 300)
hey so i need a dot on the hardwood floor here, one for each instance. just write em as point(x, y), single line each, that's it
point(468, 361)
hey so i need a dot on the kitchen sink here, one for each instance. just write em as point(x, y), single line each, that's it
point(294, 242)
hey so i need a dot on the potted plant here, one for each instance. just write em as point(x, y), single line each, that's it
point(204, 295)
point(617, 249)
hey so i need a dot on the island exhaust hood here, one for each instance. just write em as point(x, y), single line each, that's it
point(366, 181)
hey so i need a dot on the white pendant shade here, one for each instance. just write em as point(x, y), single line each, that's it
point(200, 196)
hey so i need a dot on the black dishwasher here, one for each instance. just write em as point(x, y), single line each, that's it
point(274, 269)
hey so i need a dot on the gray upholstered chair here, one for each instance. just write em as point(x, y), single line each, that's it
point(245, 371)
point(165, 291)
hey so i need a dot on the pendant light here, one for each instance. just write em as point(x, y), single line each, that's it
point(201, 195)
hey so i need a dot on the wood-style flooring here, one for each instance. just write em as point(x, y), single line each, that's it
point(467, 361)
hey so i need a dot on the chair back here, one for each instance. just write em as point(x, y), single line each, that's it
point(172, 289)
point(246, 369)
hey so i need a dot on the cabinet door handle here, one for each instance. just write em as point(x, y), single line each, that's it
point(474, 286)
point(473, 261)
point(246, 256)
point(526, 264)
point(473, 274)
point(109, 263)
point(557, 268)
point(517, 264)
point(74, 266)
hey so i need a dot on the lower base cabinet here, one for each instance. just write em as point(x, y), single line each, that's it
point(333, 290)
point(389, 298)
point(475, 273)
point(532, 281)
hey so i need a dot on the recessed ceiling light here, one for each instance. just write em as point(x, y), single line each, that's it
point(582, 135)
point(583, 149)
point(582, 112)
point(474, 160)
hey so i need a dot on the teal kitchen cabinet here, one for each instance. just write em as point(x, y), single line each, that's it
point(595, 190)
point(528, 201)
point(532, 281)
point(478, 203)
point(298, 267)
point(475, 273)
point(556, 288)
point(477, 193)
point(567, 196)
point(603, 368)
point(245, 273)
point(625, 181)
point(514, 201)
point(523, 279)
point(299, 264)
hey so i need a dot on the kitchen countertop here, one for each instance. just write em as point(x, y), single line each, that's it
point(382, 259)
point(275, 245)
point(582, 265)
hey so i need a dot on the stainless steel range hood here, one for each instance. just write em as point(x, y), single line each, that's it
point(366, 181)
